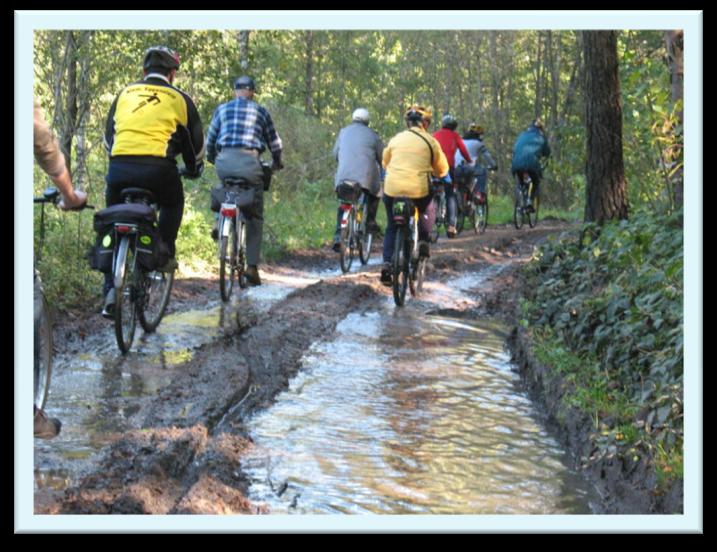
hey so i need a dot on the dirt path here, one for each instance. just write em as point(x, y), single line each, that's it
point(181, 448)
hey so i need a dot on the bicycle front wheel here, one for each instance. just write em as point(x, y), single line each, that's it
point(420, 274)
point(433, 236)
point(480, 221)
point(126, 282)
point(460, 212)
point(518, 210)
point(365, 237)
point(241, 255)
point(157, 288)
point(400, 267)
point(533, 214)
point(43, 346)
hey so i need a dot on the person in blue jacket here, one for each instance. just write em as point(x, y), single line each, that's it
point(530, 148)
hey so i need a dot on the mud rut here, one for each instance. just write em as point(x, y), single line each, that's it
point(184, 452)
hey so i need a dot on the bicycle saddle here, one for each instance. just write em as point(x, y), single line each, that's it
point(138, 193)
point(238, 181)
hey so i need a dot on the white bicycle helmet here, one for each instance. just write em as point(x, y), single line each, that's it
point(360, 115)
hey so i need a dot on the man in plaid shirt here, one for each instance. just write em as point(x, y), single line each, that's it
point(240, 131)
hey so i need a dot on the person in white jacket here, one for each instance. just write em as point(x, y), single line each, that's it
point(482, 161)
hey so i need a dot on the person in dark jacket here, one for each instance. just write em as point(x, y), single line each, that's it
point(530, 148)
point(359, 152)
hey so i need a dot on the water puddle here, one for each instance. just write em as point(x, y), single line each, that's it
point(403, 413)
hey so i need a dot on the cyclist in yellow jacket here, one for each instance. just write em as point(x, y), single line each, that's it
point(410, 159)
point(150, 123)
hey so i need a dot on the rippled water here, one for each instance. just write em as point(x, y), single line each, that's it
point(402, 413)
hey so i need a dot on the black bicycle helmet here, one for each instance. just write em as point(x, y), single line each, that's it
point(161, 56)
point(449, 121)
point(244, 82)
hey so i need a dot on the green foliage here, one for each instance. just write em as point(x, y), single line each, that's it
point(614, 295)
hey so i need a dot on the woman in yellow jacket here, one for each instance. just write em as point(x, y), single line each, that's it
point(410, 159)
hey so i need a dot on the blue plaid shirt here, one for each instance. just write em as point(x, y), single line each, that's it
point(242, 123)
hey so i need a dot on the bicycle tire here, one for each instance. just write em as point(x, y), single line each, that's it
point(241, 255)
point(460, 212)
point(420, 274)
point(227, 260)
point(346, 254)
point(533, 216)
point(159, 287)
point(43, 347)
point(365, 237)
point(481, 218)
point(435, 231)
point(400, 268)
point(125, 314)
point(518, 210)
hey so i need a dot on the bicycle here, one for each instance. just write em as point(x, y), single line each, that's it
point(409, 268)
point(141, 290)
point(354, 235)
point(233, 200)
point(43, 340)
point(523, 210)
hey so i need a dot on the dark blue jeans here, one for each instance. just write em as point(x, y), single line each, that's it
point(426, 219)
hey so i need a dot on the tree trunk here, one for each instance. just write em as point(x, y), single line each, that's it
point(554, 62)
point(675, 59)
point(243, 38)
point(606, 190)
point(84, 94)
point(539, 80)
point(69, 125)
point(479, 84)
point(309, 79)
point(495, 95)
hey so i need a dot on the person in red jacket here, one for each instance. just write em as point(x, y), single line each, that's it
point(451, 141)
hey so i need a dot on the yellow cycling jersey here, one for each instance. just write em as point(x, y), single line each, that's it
point(151, 118)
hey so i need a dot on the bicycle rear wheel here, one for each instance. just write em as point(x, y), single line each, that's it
point(227, 260)
point(346, 254)
point(400, 267)
point(42, 346)
point(126, 282)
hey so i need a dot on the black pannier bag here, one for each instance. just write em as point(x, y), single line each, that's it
point(241, 196)
point(348, 190)
point(151, 250)
point(267, 176)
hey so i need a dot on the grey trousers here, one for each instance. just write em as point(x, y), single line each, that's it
point(235, 163)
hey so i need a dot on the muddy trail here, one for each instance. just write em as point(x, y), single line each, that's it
point(312, 394)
